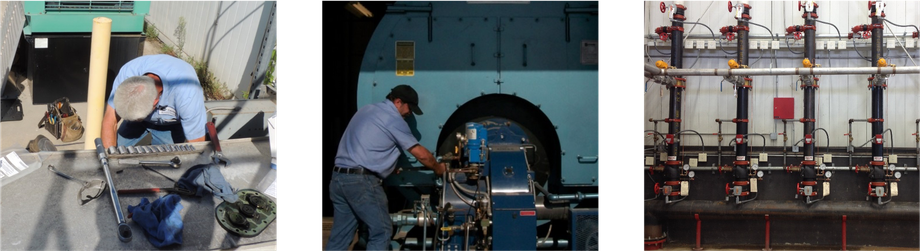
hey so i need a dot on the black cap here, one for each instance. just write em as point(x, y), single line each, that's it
point(408, 96)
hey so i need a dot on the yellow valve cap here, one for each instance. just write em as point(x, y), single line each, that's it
point(882, 62)
point(733, 64)
point(806, 63)
point(661, 64)
point(456, 150)
point(445, 229)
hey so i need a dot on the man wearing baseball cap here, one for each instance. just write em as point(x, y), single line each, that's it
point(367, 153)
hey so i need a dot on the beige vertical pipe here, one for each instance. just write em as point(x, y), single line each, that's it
point(98, 67)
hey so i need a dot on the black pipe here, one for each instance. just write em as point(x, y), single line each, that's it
point(756, 209)
point(877, 174)
point(808, 171)
point(672, 172)
point(741, 149)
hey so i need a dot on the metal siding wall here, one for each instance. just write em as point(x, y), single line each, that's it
point(11, 21)
point(226, 46)
point(839, 98)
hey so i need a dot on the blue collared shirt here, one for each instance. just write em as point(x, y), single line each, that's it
point(182, 100)
point(373, 139)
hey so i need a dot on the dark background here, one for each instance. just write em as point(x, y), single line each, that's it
point(345, 36)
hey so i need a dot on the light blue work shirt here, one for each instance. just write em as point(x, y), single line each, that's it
point(182, 100)
point(373, 139)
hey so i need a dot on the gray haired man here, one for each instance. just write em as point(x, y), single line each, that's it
point(158, 95)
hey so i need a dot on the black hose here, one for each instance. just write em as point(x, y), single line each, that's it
point(790, 48)
point(656, 48)
point(905, 26)
point(835, 27)
point(768, 29)
point(860, 54)
point(697, 134)
point(826, 136)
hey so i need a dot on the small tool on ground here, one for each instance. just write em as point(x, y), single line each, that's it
point(175, 162)
point(91, 189)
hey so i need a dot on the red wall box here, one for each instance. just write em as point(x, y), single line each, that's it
point(783, 108)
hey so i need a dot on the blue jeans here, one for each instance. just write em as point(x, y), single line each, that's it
point(129, 133)
point(359, 197)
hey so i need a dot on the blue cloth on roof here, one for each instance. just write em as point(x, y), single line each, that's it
point(160, 220)
point(207, 178)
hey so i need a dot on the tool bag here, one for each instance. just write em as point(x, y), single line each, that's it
point(62, 121)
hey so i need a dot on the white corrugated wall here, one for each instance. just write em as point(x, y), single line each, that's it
point(229, 36)
point(840, 97)
point(12, 20)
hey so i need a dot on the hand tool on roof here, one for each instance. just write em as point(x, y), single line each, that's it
point(175, 162)
point(91, 189)
point(124, 231)
point(218, 155)
point(174, 190)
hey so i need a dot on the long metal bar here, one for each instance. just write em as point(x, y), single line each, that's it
point(788, 71)
point(124, 231)
point(769, 37)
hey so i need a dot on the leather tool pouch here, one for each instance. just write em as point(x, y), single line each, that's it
point(62, 121)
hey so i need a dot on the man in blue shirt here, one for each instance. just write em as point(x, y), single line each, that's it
point(155, 94)
point(367, 154)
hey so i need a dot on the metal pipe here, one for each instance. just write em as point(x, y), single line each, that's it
point(877, 172)
point(809, 173)
point(672, 166)
point(466, 235)
point(741, 164)
point(698, 232)
point(767, 241)
point(651, 68)
point(844, 232)
point(553, 243)
point(790, 71)
point(782, 168)
point(98, 67)
point(759, 36)
point(754, 210)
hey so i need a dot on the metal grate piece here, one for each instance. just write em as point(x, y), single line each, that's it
point(109, 6)
point(586, 237)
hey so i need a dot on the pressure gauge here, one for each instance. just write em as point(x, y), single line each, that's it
point(759, 174)
point(686, 167)
point(828, 174)
point(897, 175)
point(890, 167)
point(692, 173)
point(822, 167)
point(754, 167)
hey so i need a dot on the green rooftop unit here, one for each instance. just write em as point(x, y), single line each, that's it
point(58, 34)
point(77, 16)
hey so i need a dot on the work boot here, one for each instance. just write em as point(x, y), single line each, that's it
point(41, 143)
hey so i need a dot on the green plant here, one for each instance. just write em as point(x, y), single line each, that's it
point(151, 31)
point(166, 49)
point(213, 90)
point(270, 72)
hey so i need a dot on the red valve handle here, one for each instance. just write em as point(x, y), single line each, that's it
point(657, 188)
point(726, 189)
point(797, 188)
point(870, 5)
point(729, 6)
point(662, 7)
point(797, 35)
point(663, 36)
point(800, 5)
